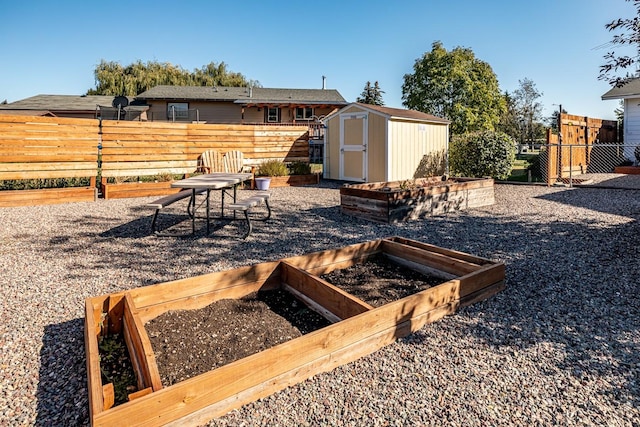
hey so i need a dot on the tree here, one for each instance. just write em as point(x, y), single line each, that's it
point(554, 119)
point(509, 118)
point(457, 86)
point(630, 36)
point(114, 79)
point(528, 111)
point(371, 95)
point(619, 112)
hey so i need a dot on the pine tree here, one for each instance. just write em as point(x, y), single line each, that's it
point(371, 94)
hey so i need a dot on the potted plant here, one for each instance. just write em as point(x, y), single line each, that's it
point(268, 169)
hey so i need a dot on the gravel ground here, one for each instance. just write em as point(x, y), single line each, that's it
point(559, 346)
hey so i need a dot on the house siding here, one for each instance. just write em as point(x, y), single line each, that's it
point(631, 126)
point(218, 112)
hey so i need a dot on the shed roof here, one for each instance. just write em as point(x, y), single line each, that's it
point(244, 95)
point(397, 113)
point(629, 90)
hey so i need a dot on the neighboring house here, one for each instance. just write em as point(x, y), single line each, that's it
point(203, 104)
point(79, 106)
point(630, 95)
point(369, 143)
point(240, 104)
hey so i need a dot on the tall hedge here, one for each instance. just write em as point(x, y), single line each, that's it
point(481, 154)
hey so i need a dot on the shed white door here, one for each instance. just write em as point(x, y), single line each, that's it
point(353, 146)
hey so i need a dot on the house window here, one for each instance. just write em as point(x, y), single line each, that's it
point(304, 113)
point(273, 115)
point(177, 111)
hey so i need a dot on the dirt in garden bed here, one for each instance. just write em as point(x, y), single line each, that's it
point(380, 280)
point(187, 343)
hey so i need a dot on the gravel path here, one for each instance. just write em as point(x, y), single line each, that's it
point(559, 346)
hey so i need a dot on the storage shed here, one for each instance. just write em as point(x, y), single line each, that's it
point(369, 143)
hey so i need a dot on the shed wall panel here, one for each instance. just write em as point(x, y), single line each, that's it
point(409, 143)
point(376, 148)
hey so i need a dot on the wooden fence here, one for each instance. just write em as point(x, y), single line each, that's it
point(34, 147)
point(139, 148)
point(571, 151)
point(42, 147)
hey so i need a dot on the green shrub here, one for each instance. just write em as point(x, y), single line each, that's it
point(36, 184)
point(481, 154)
point(299, 168)
point(273, 168)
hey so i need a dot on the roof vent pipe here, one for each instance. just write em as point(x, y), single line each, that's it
point(324, 82)
point(250, 91)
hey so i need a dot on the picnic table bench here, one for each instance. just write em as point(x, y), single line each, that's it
point(165, 201)
point(247, 204)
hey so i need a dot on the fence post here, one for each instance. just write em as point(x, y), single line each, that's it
point(571, 166)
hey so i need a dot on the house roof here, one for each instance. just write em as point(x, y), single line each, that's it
point(397, 113)
point(243, 95)
point(630, 90)
point(42, 113)
point(60, 103)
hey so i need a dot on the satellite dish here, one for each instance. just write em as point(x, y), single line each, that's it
point(120, 102)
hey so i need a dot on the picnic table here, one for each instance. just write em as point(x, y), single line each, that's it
point(214, 181)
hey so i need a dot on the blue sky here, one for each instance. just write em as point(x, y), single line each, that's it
point(49, 47)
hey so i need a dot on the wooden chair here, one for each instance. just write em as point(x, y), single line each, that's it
point(233, 161)
point(211, 161)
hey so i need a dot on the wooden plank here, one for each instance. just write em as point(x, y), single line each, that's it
point(323, 262)
point(139, 393)
point(196, 302)
point(94, 379)
point(136, 361)
point(10, 118)
point(439, 250)
point(311, 304)
point(134, 164)
point(438, 261)
point(121, 191)
point(10, 198)
point(108, 396)
point(328, 296)
point(115, 313)
point(178, 291)
point(141, 348)
point(110, 173)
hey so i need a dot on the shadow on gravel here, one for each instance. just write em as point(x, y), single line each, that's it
point(625, 202)
point(571, 285)
point(63, 373)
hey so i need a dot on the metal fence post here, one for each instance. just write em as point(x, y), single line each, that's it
point(570, 165)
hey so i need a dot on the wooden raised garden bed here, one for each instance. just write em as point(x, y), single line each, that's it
point(292, 180)
point(629, 170)
point(47, 196)
point(125, 190)
point(405, 200)
point(357, 325)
